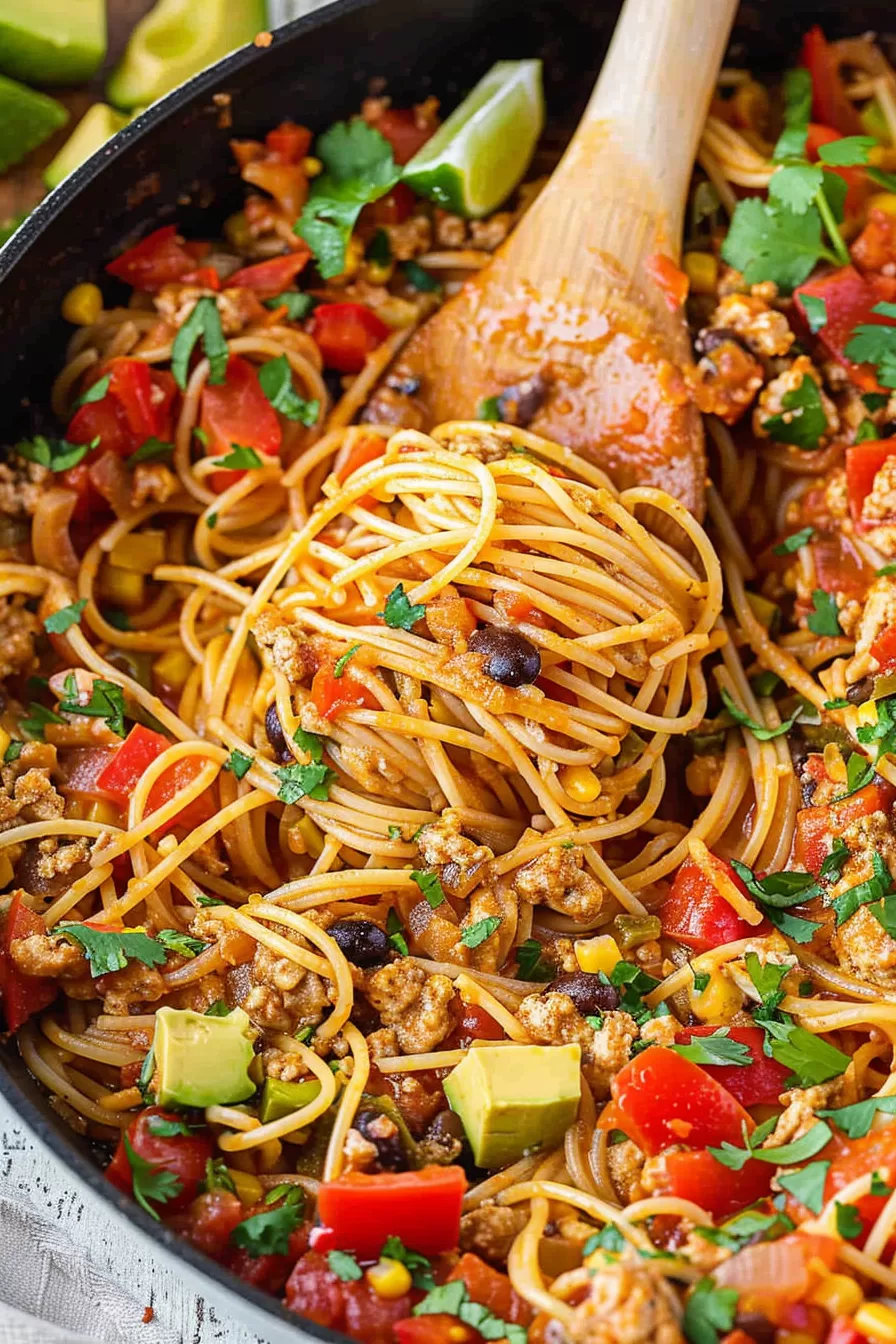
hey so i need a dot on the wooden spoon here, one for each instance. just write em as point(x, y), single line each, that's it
point(570, 296)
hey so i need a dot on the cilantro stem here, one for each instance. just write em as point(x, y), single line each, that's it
point(840, 254)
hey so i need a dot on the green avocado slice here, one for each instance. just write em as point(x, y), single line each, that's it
point(97, 126)
point(176, 40)
point(279, 1098)
point(52, 41)
point(27, 119)
point(203, 1061)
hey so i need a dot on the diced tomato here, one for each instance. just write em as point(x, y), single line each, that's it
point(816, 826)
point(178, 777)
point(670, 278)
point(860, 1157)
point(367, 449)
point(517, 608)
point(699, 1177)
point(431, 1329)
point(268, 1272)
point(130, 384)
point(290, 141)
point(185, 1155)
point(332, 694)
point(492, 1289)
point(359, 1211)
point(346, 333)
point(863, 462)
point(855, 179)
point(395, 207)
point(660, 1099)
point(475, 1025)
point(121, 775)
point(839, 567)
point(830, 104)
point(353, 1307)
point(406, 130)
point(160, 259)
point(695, 914)
point(875, 246)
point(884, 650)
point(209, 1221)
point(762, 1081)
point(137, 406)
point(849, 299)
point(103, 420)
point(270, 278)
point(237, 412)
point(21, 995)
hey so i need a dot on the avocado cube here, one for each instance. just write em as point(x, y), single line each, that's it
point(279, 1098)
point(515, 1098)
point(52, 41)
point(27, 119)
point(203, 1061)
point(97, 126)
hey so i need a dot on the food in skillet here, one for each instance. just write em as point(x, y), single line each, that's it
point(461, 914)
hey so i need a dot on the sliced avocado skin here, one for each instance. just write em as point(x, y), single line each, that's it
point(27, 119)
point(203, 1061)
point(97, 126)
point(176, 40)
point(279, 1098)
point(515, 1098)
point(52, 41)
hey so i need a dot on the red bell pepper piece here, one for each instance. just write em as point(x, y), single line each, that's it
point(695, 914)
point(183, 1154)
point(839, 567)
point(393, 208)
point(884, 650)
point(332, 694)
point(830, 104)
point(122, 774)
point(178, 777)
point(475, 1025)
point(290, 141)
point(849, 299)
point(430, 1329)
point(346, 333)
point(856, 182)
point(722, 1192)
point(21, 995)
point(159, 259)
point(863, 462)
point(405, 130)
point(660, 1099)
point(761, 1081)
point(270, 278)
point(237, 412)
point(359, 1211)
point(860, 1157)
point(492, 1289)
point(816, 826)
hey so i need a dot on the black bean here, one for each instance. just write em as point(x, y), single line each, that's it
point(446, 1125)
point(710, 338)
point(888, 429)
point(588, 992)
point(510, 658)
point(275, 735)
point(860, 691)
point(362, 941)
point(390, 1151)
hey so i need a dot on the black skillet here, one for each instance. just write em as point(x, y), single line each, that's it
point(173, 163)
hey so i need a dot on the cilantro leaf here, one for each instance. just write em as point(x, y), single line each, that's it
point(530, 963)
point(453, 1299)
point(40, 716)
point(181, 943)
point(866, 432)
point(489, 409)
point(106, 702)
point(340, 664)
point(13, 750)
point(95, 392)
point(767, 242)
point(855, 1121)
point(794, 541)
point(110, 950)
point(57, 454)
point(217, 1177)
point(786, 1155)
point(719, 1048)
point(779, 890)
point(275, 378)
point(220, 1008)
point(832, 866)
point(203, 323)
point(482, 929)
point(65, 618)
point(304, 781)
point(292, 1194)
point(239, 459)
point(879, 1185)
point(238, 763)
point(701, 980)
point(150, 1182)
point(146, 1073)
point(359, 168)
point(151, 450)
point(708, 1311)
point(816, 311)
point(885, 914)
point(421, 1268)
point(807, 1185)
point(398, 612)
point(164, 1128)
point(267, 1233)
point(609, 1238)
point(802, 421)
point(310, 743)
point(840, 702)
point(875, 344)
point(430, 886)
point(396, 933)
point(859, 772)
point(767, 980)
point(875, 888)
point(797, 112)
point(848, 152)
point(297, 305)
point(812, 1059)
point(421, 280)
point(795, 185)
point(883, 730)
point(824, 618)
point(344, 1265)
point(761, 733)
point(848, 1220)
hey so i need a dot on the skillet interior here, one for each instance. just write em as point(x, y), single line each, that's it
point(174, 163)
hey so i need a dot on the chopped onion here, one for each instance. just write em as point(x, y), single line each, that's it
point(50, 538)
point(777, 1268)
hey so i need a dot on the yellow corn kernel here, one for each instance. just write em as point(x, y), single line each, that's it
point(354, 255)
point(6, 873)
point(598, 954)
point(82, 305)
point(380, 272)
point(248, 1187)
point(883, 200)
point(389, 1279)
point(866, 714)
point(313, 167)
point(5, 740)
point(103, 812)
point(173, 668)
point(702, 270)
point(459, 1334)
point(440, 713)
point(139, 551)
point(580, 782)
point(719, 1002)
point(311, 836)
point(838, 1294)
point(122, 586)
point(877, 1322)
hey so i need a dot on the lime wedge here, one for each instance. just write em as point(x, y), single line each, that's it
point(481, 152)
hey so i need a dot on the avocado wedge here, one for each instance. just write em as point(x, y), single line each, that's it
point(27, 119)
point(52, 41)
